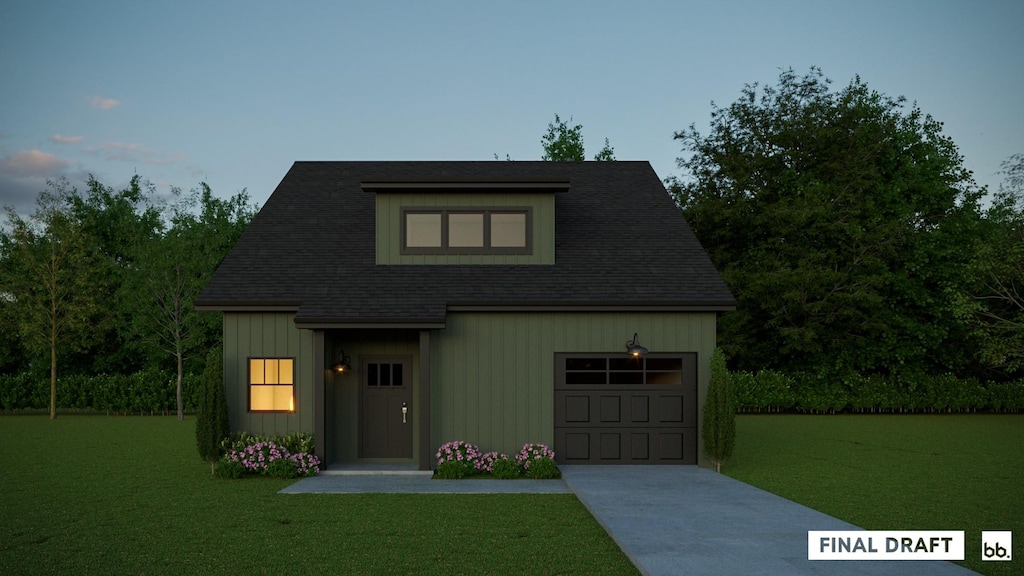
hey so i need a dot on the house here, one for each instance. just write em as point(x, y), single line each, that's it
point(390, 307)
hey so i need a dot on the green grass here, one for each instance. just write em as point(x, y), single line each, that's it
point(921, 472)
point(129, 495)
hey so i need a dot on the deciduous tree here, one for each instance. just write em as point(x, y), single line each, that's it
point(838, 218)
point(172, 268)
point(50, 263)
point(564, 143)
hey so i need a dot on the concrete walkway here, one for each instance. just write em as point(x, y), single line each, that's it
point(669, 520)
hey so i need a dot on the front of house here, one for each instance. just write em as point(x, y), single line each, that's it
point(390, 307)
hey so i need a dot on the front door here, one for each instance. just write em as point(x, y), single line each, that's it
point(386, 407)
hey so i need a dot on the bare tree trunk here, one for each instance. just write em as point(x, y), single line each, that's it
point(53, 380)
point(181, 402)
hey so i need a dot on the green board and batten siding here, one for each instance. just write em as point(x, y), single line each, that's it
point(492, 374)
point(389, 222)
point(267, 335)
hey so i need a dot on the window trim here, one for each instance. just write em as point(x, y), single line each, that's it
point(249, 385)
point(444, 249)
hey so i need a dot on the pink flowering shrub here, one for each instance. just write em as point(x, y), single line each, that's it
point(486, 462)
point(267, 458)
point(457, 459)
point(533, 452)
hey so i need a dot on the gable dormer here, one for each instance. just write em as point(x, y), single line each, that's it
point(424, 221)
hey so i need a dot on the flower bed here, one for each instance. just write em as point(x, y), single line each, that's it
point(460, 459)
point(278, 457)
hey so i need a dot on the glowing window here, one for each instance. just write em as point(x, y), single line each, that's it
point(271, 384)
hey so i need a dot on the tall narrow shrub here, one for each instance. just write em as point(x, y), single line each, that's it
point(719, 428)
point(212, 415)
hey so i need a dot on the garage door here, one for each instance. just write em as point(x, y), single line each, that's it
point(616, 409)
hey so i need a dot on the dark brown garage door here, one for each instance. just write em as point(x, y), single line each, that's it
point(615, 409)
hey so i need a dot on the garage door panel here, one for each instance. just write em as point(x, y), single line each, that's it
point(611, 412)
point(670, 408)
point(611, 445)
point(576, 409)
point(640, 409)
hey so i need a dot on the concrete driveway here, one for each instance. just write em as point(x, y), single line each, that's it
point(674, 520)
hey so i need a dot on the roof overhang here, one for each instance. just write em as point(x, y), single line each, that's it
point(463, 185)
point(699, 307)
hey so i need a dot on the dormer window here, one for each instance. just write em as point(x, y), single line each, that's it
point(466, 231)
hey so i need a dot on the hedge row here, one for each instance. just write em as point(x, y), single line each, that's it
point(149, 391)
point(770, 391)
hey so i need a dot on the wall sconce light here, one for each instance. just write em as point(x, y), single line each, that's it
point(343, 365)
point(634, 348)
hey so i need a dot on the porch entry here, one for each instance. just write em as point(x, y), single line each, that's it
point(386, 413)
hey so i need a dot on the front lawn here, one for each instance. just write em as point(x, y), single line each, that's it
point(920, 472)
point(129, 495)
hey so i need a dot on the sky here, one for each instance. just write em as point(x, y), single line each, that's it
point(232, 93)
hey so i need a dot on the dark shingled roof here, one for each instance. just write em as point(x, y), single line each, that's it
point(619, 241)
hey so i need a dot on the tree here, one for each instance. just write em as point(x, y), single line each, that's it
point(719, 427)
point(564, 143)
point(606, 154)
point(996, 305)
point(838, 218)
point(212, 424)
point(117, 223)
point(50, 261)
point(171, 269)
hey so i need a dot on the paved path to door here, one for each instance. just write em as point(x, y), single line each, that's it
point(669, 520)
point(673, 520)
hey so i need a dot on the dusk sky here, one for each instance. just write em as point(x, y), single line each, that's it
point(232, 93)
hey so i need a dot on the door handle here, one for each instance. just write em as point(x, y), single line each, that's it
point(405, 410)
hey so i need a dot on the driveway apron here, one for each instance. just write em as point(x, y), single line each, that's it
point(673, 520)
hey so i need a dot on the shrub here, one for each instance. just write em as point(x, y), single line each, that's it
point(505, 468)
point(486, 462)
point(719, 427)
point(282, 468)
point(258, 456)
point(531, 453)
point(227, 468)
point(212, 417)
point(460, 454)
point(451, 470)
point(543, 468)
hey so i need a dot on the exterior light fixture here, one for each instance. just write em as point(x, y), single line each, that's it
point(343, 365)
point(634, 348)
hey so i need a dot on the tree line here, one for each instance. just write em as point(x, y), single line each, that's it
point(103, 281)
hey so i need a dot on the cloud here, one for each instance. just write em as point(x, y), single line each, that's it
point(32, 163)
point(104, 103)
point(24, 174)
point(131, 152)
point(61, 139)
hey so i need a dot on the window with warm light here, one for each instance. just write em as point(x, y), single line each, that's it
point(466, 231)
point(271, 384)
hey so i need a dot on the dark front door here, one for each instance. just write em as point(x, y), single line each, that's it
point(386, 415)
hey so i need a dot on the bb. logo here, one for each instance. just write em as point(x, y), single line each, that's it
point(996, 545)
